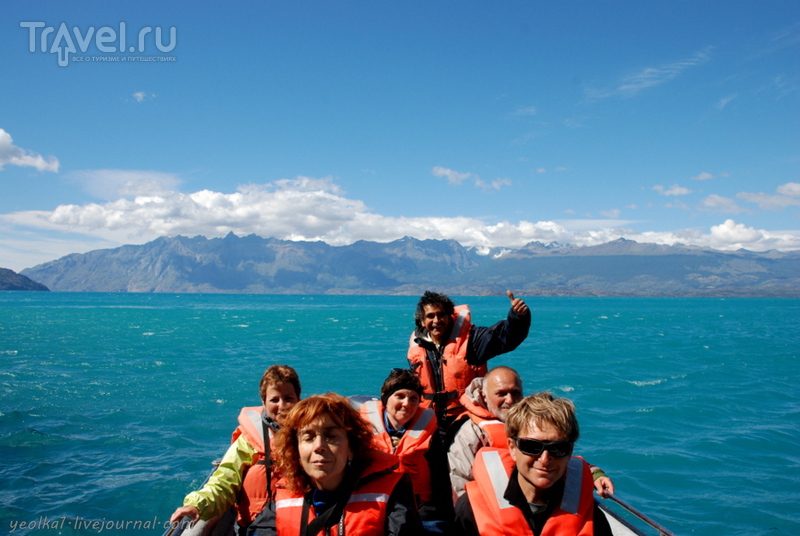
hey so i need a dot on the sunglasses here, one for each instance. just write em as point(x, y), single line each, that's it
point(534, 447)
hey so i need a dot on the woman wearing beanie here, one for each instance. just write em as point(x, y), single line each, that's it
point(408, 431)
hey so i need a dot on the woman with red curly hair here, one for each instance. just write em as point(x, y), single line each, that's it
point(332, 481)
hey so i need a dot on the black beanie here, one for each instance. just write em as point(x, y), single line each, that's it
point(399, 379)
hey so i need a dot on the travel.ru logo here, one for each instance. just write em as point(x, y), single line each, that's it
point(106, 40)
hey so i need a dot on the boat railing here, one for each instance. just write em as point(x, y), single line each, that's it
point(662, 531)
point(218, 526)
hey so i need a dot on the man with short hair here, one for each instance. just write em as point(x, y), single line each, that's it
point(447, 351)
point(487, 402)
point(535, 486)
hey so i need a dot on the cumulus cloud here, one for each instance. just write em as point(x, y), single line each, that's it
point(316, 209)
point(16, 156)
point(703, 177)
point(672, 190)
point(648, 77)
point(788, 195)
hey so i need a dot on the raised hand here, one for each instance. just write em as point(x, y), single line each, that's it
point(517, 305)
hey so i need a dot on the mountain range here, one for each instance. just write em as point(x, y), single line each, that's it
point(252, 264)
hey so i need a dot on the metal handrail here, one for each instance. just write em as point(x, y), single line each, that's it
point(176, 529)
point(662, 531)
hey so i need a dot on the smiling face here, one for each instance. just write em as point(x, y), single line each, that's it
point(538, 473)
point(501, 390)
point(279, 400)
point(437, 322)
point(401, 407)
point(324, 452)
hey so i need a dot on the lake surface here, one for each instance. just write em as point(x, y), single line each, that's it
point(114, 405)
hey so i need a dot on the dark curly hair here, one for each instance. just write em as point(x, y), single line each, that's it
point(433, 298)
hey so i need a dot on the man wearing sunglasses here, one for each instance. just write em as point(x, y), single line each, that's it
point(535, 486)
point(487, 402)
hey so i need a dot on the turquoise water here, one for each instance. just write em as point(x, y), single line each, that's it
point(113, 405)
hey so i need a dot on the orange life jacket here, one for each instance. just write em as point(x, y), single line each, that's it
point(456, 372)
point(254, 493)
point(494, 430)
point(495, 516)
point(412, 446)
point(365, 512)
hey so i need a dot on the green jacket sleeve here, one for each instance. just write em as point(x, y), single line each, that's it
point(222, 488)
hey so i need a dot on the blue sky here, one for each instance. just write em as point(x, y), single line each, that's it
point(494, 124)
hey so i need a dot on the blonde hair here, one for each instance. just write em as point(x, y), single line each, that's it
point(543, 408)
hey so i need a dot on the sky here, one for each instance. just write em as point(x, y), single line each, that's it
point(494, 124)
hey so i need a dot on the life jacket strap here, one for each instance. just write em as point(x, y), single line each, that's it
point(441, 396)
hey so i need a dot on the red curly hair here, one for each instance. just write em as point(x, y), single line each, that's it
point(309, 411)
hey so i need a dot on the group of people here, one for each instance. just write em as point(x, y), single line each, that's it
point(449, 448)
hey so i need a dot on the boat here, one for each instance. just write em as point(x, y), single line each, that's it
point(624, 519)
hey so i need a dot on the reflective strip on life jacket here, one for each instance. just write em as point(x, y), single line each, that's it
point(456, 372)
point(411, 448)
point(494, 515)
point(253, 495)
point(365, 512)
point(494, 431)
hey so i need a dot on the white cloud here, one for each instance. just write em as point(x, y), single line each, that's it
point(141, 96)
point(722, 103)
point(611, 213)
point(703, 177)
point(735, 235)
point(791, 189)
point(457, 178)
point(494, 185)
point(16, 156)
point(672, 190)
point(788, 196)
point(114, 183)
point(306, 208)
point(649, 77)
point(453, 177)
point(718, 203)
